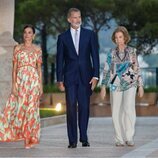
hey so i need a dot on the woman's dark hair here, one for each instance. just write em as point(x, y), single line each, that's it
point(29, 26)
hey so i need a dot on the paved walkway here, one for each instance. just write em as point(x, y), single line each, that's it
point(54, 142)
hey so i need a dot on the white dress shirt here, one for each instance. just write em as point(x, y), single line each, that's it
point(73, 31)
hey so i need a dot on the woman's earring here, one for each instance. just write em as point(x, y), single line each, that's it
point(33, 37)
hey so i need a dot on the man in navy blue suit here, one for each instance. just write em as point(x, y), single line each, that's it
point(77, 74)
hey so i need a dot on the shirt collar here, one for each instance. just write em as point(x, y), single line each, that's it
point(73, 30)
point(125, 49)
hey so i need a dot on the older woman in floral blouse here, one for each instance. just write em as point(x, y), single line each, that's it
point(122, 74)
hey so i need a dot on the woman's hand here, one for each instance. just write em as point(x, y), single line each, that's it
point(41, 90)
point(103, 92)
point(14, 91)
point(140, 91)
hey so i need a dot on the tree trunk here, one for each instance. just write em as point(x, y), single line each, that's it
point(45, 54)
point(52, 73)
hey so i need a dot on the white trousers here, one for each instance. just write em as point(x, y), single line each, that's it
point(123, 114)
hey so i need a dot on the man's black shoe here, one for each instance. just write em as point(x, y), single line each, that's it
point(85, 144)
point(72, 145)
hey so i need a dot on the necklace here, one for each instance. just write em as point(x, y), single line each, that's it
point(121, 54)
point(27, 48)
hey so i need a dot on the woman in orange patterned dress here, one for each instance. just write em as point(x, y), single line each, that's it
point(20, 118)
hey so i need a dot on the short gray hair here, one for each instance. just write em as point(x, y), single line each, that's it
point(124, 32)
point(72, 10)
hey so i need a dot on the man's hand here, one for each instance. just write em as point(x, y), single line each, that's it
point(103, 92)
point(140, 91)
point(61, 86)
point(94, 82)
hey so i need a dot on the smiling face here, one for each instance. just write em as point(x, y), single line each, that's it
point(28, 34)
point(75, 19)
point(119, 39)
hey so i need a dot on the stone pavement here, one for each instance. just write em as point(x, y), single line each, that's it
point(54, 142)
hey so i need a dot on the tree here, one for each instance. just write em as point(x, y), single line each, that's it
point(47, 17)
point(98, 14)
point(140, 17)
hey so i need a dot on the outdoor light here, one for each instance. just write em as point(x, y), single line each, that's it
point(100, 104)
point(58, 107)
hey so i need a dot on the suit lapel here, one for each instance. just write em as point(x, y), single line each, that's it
point(70, 41)
point(81, 42)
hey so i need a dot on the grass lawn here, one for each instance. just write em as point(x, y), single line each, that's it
point(49, 112)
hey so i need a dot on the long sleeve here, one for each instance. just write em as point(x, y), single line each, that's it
point(140, 80)
point(60, 59)
point(106, 71)
point(95, 55)
point(39, 56)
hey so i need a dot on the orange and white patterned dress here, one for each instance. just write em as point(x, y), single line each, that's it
point(20, 119)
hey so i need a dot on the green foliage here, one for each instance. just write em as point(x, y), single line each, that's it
point(50, 113)
point(140, 17)
point(95, 14)
point(40, 13)
point(51, 88)
point(98, 88)
point(151, 89)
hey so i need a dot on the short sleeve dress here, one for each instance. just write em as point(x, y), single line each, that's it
point(20, 118)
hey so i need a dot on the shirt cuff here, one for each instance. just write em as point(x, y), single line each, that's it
point(96, 78)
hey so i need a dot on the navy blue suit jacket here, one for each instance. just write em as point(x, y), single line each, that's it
point(70, 65)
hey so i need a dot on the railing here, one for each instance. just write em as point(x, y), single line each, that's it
point(150, 76)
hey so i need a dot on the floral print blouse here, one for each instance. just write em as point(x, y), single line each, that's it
point(121, 70)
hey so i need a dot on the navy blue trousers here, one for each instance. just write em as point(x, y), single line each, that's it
point(77, 116)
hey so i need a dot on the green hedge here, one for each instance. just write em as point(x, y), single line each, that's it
point(53, 88)
point(50, 113)
point(50, 88)
point(151, 89)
